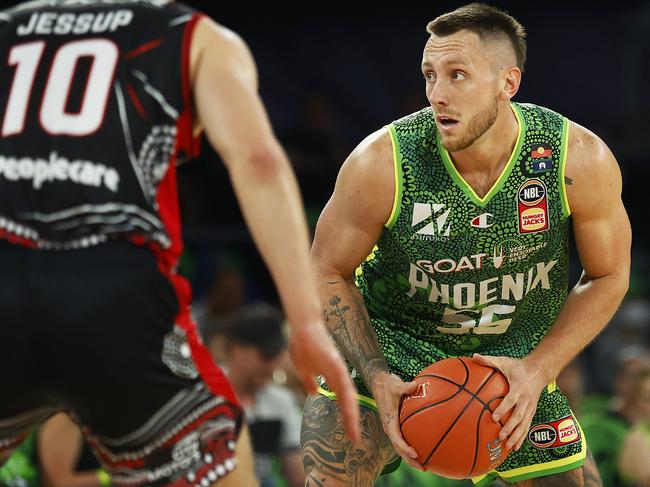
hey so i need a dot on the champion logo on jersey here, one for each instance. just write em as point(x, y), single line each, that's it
point(431, 219)
point(484, 220)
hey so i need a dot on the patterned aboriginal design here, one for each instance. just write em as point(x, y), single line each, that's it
point(453, 274)
point(437, 286)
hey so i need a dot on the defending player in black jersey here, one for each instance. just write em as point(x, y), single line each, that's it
point(99, 100)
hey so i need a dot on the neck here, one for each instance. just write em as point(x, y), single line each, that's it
point(491, 151)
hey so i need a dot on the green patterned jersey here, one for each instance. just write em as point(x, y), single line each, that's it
point(454, 273)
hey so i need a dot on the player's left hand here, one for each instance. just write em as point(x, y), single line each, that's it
point(526, 385)
point(313, 354)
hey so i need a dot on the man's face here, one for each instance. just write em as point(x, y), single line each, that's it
point(462, 78)
point(252, 369)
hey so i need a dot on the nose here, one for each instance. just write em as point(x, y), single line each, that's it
point(437, 93)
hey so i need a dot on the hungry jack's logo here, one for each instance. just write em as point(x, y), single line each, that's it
point(532, 206)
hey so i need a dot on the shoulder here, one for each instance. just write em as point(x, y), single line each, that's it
point(218, 44)
point(584, 145)
point(592, 172)
point(366, 178)
point(370, 164)
point(373, 155)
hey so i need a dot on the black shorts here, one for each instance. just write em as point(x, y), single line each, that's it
point(105, 333)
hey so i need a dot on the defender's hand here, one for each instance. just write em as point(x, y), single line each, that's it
point(313, 354)
point(388, 390)
point(526, 385)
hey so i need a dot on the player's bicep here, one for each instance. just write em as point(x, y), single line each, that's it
point(603, 242)
point(353, 219)
point(600, 223)
point(225, 94)
point(340, 245)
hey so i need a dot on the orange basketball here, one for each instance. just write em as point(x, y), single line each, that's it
point(448, 419)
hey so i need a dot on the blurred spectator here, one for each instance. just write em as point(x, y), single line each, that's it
point(316, 148)
point(629, 326)
point(251, 346)
point(224, 297)
point(607, 423)
point(54, 455)
point(571, 382)
point(314, 143)
point(21, 468)
point(634, 460)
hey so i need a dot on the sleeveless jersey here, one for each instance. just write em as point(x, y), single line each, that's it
point(95, 111)
point(454, 273)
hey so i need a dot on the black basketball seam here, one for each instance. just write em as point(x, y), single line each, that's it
point(478, 424)
point(474, 396)
point(412, 413)
point(460, 389)
point(486, 405)
point(465, 381)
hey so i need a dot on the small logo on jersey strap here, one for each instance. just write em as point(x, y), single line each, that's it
point(542, 165)
point(555, 434)
point(484, 220)
point(431, 219)
point(532, 206)
point(541, 151)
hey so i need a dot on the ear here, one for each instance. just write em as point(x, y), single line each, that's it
point(510, 79)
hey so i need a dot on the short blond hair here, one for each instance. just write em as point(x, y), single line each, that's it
point(487, 22)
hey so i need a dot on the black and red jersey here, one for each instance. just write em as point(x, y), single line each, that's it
point(95, 112)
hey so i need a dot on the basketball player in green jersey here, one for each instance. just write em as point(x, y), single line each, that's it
point(447, 235)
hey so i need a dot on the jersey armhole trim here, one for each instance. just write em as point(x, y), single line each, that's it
point(397, 170)
point(366, 401)
point(566, 210)
point(192, 143)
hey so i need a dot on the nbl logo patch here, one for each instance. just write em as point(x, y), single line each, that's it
point(555, 434)
point(532, 206)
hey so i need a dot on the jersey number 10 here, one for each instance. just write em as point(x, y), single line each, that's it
point(53, 116)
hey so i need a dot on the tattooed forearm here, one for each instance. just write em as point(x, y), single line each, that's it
point(568, 181)
point(329, 456)
point(351, 328)
point(590, 472)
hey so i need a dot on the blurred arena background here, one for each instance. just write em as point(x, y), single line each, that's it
point(332, 72)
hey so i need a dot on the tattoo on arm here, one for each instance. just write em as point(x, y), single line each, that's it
point(353, 333)
point(329, 456)
point(568, 181)
point(590, 472)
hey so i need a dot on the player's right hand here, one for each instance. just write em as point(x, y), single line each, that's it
point(313, 354)
point(388, 390)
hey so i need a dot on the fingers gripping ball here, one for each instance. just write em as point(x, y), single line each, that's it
point(448, 419)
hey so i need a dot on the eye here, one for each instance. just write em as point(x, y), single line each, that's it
point(458, 76)
point(429, 76)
